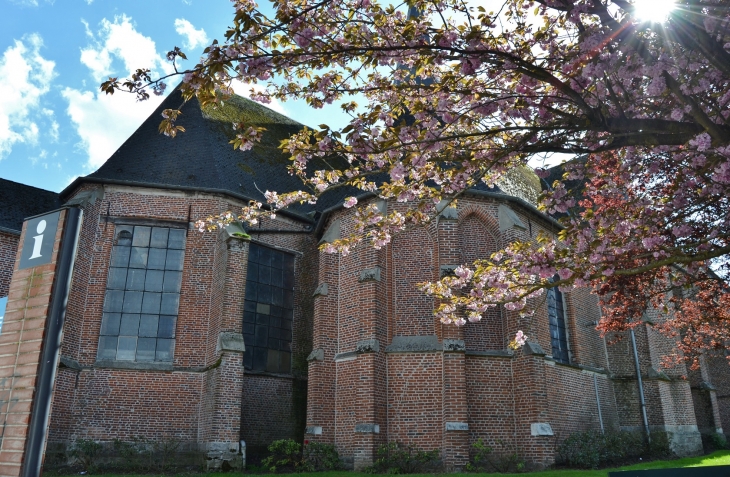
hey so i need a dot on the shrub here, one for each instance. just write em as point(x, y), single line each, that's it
point(165, 452)
point(504, 457)
point(659, 446)
point(286, 455)
point(718, 440)
point(318, 457)
point(85, 452)
point(397, 458)
point(593, 449)
point(713, 442)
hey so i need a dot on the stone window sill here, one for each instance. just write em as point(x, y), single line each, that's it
point(577, 366)
point(249, 372)
point(142, 366)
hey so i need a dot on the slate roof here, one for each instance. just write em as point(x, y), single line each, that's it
point(575, 187)
point(556, 174)
point(202, 158)
point(19, 201)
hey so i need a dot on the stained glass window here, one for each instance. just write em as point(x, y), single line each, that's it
point(268, 310)
point(142, 294)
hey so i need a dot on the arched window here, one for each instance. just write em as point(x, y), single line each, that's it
point(142, 294)
point(558, 332)
point(268, 310)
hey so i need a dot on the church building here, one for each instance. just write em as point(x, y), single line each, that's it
point(228, 340)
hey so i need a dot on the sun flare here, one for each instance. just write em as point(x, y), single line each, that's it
point(653, 10)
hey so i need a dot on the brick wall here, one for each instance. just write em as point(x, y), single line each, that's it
point(8, 250)
point(717, 373)
point(491, 402)
point(322, 390)
point(29, 294)
point(203, 399)
point(415, 400)
point(505, 396)
point(478, 238)
point(125, 404)
point(358, 392)
point(426, 392)
point(412, 263)
point(568, 385)
point(267, 410)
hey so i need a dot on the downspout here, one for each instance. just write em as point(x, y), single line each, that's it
point(38, 426)
point(598, 402)
point(642, 401)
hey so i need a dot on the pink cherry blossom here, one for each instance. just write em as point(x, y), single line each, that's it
point(453, 99)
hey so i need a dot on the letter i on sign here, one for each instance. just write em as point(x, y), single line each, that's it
point(38, 240)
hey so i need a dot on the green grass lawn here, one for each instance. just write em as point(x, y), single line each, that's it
point(716, 458)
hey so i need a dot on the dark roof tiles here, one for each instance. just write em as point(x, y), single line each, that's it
point(20, 201)
point(202, 157)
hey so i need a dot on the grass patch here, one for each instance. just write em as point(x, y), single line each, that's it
point(716, 458)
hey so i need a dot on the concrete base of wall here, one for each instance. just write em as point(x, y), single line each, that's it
point(224, 456)
point(684, 440)
point(146, 456)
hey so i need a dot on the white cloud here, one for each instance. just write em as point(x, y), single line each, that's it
point(103, 121)
point(54, 126)
point(193, 38)
point(119, 39)
point(25, 76)
point(41, 157)
point(244, 89)
point(31, 3)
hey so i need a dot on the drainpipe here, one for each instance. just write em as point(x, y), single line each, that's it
point(598, 402)
point(38, 426)
point(641, 386)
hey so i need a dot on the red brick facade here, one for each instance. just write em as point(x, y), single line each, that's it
point(370, 363)
point(399, 375)
point(8, 251)
point(21, 341)
point(200, 399)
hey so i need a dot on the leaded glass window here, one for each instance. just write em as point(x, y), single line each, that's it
point(558, 333)
point(268, 310)
point(142, 294)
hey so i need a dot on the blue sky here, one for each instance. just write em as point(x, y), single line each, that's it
point(55, 125)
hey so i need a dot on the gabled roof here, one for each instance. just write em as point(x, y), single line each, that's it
point(19, 201)
point(202, 158)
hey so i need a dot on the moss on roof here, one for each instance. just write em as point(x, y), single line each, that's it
point(236, 109)
point(522, 182)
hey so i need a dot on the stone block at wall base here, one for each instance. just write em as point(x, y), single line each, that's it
point(136, 456)
point(347, 462)
point(684, 441)
point(223, 456)
point(361, 461)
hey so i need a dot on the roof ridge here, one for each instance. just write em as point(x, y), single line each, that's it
point(30, 186)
